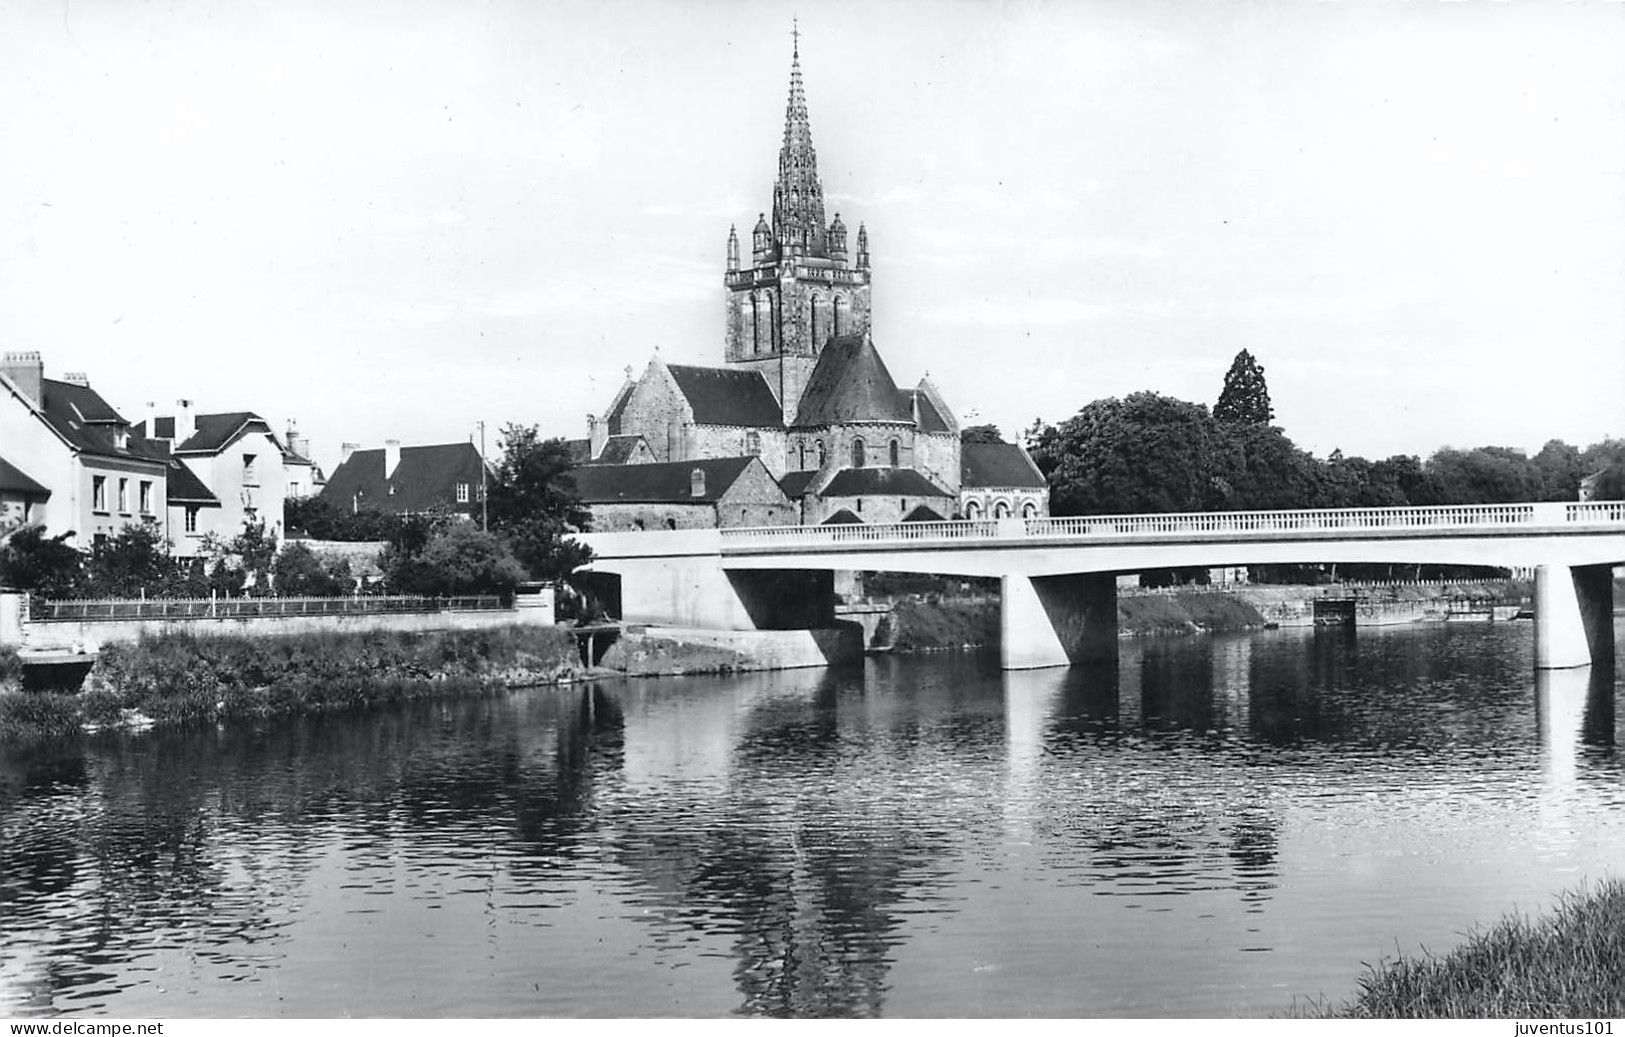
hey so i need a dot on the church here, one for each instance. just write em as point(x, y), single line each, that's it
point(815, 427)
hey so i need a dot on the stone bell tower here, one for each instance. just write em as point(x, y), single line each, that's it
point(802, 286)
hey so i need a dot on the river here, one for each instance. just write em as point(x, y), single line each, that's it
point(1223, 825)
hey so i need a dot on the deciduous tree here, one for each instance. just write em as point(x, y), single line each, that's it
point(532, 502)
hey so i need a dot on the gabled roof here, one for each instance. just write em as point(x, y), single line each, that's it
point(617, 406)
point(998, 464)
point(426, 477)
point(86, 403)
point(851, 383)
point(882, 482)
point(794, 484)
point(665, 481)
point(580, 450)
point(618, 449)
point(211, 432)
point(89, 424)
point(842, 518)
point(930, 418)
point(182, 487)
point(15, 481)
point(728, 396)
point(923, 514)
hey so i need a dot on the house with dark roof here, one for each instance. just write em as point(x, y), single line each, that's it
point(19, 496)
point(304, 475)
point(409, 480)
point(72, 463)
point(235, 472)
point(1001, 481)
point(699, 494)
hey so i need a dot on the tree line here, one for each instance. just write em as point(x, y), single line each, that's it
point(1147, 452)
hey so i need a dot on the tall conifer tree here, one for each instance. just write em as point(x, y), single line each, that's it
point(1245, 399)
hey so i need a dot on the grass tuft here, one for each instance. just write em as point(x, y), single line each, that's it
point(1569, 964)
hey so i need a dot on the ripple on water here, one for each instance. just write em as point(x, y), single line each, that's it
point(1230, 822)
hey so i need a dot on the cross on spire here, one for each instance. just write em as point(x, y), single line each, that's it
point(795, 36)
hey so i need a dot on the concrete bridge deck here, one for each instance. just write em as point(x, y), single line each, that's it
point(1058, 574)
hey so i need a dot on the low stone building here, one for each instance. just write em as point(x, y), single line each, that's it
point(1001, 481)
point(700, 494)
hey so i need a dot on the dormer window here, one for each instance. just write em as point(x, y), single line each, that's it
point(696, 483)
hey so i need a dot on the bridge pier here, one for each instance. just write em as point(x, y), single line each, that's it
point(701, 594)
point(1574, 616)
point(1057, 620)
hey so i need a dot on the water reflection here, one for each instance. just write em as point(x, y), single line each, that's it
point(1252, 815)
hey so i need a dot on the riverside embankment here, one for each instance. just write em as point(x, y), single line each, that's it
point(179, 678)
point(924, 622)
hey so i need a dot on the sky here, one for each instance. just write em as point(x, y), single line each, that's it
point(397, 220)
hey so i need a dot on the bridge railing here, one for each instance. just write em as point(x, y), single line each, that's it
point(1596, 511)
point(1448, 516)
point(858, 533)
point(1286, 521)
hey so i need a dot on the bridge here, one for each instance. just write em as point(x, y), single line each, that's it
point(1058, 575)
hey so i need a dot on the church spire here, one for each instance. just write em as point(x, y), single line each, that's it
point(798, 197)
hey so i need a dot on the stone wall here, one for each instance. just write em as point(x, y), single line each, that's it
point(622, 518)
point(936, 456)
point(1015, 499)
point(705, 441)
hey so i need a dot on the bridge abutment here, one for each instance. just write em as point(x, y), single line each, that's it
point(1057, 620)
point(701, 594)
point(1574, 616)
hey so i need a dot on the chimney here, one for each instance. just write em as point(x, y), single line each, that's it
point(151, 423)
point(27, 372)
point(345, 450)
point(392, 456)
point(77, 378)
point(185, 421)
point(296, 442)
point(597, 437)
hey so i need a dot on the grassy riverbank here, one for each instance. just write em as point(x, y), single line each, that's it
point(1569, 964)
point(180, 678)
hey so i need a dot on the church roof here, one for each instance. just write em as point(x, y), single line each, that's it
point(921, 513)
point(665, 481)
point(618, 450)
point(851, 383)
point(794, 484)
point(728, 396)
point(882, 482)
point(930, 418)
point(997, 464)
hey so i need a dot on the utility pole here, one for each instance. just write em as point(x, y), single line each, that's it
point(485, 508)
